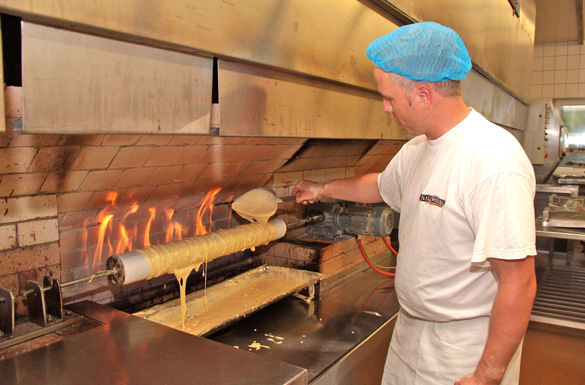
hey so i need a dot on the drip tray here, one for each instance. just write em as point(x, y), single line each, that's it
point(560, 299)
point(219, 305)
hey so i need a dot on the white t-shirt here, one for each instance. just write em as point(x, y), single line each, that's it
point(464, 197)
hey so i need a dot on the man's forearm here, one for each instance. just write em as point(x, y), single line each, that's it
point(508, 323)
point(362, 189)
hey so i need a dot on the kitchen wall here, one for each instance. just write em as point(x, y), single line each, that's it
point(558, 71)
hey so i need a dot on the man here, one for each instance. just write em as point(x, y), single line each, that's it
point(464, 188)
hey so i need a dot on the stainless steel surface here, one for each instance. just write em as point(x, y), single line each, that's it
point(561, 295)
point(264, 102)
point(213, 308)
point(362, 364)
point(564, 211)
point(130, 350)
point(549, 134)
point(559, 232)
point(26, 331)
point(327, 38)
point(80, 89)
point(344, 316)
point(556, 189)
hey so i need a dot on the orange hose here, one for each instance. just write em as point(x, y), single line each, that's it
point(359, 242)
point(389, 246)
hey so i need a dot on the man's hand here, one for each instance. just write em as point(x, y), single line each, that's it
point(306, 191)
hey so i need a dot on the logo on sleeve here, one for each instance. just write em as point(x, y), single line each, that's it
point(432, 200)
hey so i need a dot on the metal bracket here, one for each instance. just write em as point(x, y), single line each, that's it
point(53, 300)
point(45, 305)
point(6, 313)
point(313, 293)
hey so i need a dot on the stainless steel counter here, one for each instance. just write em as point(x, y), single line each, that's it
point(559, 232)
point(341, 338)
point(130, 350)
point(346, 334)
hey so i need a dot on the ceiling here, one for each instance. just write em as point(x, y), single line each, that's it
point(559, 21)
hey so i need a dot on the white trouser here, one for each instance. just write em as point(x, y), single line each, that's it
point(438, 353)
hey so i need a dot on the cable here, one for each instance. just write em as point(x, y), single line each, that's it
point(389, 246)
point(365, 256)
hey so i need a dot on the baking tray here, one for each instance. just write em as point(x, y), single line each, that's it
point(231, 299)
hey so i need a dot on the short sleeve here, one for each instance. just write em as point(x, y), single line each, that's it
point(501, 214)
point(389, 184)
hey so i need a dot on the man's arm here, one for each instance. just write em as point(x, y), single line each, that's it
point(508, 321)
point(362, 189)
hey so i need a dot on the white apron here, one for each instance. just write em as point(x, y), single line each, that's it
point(438, 353)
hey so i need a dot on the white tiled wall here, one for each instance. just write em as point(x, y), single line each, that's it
point(558, 71)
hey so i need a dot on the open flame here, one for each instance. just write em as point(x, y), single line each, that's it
point(122, 231)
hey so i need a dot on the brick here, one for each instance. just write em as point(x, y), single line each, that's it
point(74, 201)
point(166, 156)
point(81, 140)
point(314, 175)
point(218, 171)
point(25, 208)
point(262, 140)
point(262, 167)
point(37, 232)
point(7, 237)
point(75, 219)
point(165, 175)
point(12, 261)
point(135, 156)
point(10, 282)
point(37, 274)
point(301, 164)
point(191, 171)
point(154, 140)
point(287, 178)
point(340, 262)
point(136, 194)
point(120, 140)
point(20, 184)
point(266, 152)
point(134, 177)
point(16, 160)
point(171, 191)
point(34, 140)
point(335, 173)
point(233, 153)
point(221, 140)
point(200, 154)
point(184, 140)
point(338, 248)
point(100, 180)
point(94, 157)
point(54, 158)
point(63, 181)
point(386, 147)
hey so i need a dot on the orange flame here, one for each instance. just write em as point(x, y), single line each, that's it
point(152, 212)
point(124, 233)
point(174, 230)
point(206, 206)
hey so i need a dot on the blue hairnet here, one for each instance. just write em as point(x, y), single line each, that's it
point(426, 52)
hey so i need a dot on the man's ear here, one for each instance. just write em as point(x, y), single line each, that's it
point(424, 94)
